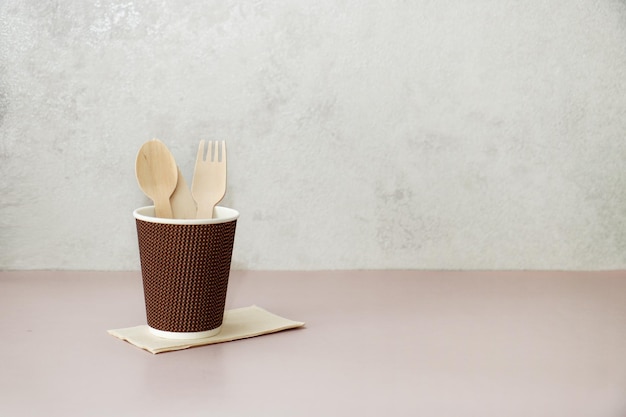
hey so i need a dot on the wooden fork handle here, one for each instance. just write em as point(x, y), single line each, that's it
point(205, 212)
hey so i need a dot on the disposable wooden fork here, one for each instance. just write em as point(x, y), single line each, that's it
point(209, 178)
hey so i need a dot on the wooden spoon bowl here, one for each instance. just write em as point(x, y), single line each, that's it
point(157, 175)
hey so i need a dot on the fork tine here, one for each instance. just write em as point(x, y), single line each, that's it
point(223, 143)
point(218, 151)
point(200, 155)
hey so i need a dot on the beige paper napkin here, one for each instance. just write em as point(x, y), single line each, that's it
point(239, 323)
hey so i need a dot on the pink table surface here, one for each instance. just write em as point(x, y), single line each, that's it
point(376, 343)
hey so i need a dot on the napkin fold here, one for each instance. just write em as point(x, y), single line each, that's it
point(239, 323)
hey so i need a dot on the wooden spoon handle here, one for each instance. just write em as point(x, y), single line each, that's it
point(163, 209)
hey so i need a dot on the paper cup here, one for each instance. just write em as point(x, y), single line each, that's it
point(185, 265)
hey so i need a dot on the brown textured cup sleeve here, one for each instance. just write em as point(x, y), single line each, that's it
point(185, 270)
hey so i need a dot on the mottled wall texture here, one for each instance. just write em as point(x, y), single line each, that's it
point(363, 134)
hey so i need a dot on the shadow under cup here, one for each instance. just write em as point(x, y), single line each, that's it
point(185, 265)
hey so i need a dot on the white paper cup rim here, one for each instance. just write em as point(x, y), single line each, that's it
point(223, 215)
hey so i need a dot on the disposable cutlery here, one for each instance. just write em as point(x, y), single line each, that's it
point(209, 179)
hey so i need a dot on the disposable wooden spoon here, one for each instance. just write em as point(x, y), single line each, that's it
point(157, 175)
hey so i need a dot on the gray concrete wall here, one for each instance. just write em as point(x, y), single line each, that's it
point(362, 134)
